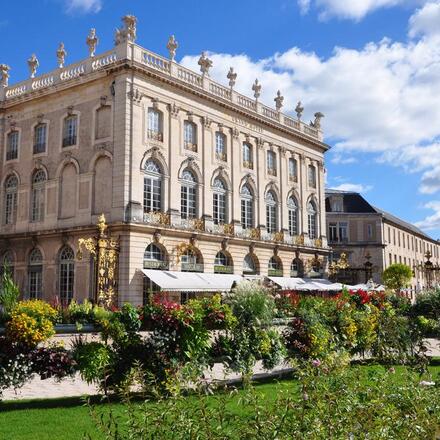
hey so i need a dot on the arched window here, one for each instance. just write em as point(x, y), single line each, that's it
point(188, 195)
point(247, 207)
point(66, 274)
point(11, 186)
point(292, 207)
point(249, 265)
point(38, 195)
point(222, 263)
point(12, 145)
point(190, 136)
point(271, 212)
point(220, 146)
point(152, 187)
point(219, 202)
point(154, 257)
point(293, 170)
point(311, 215)
point(7, 263)
point(275, 267)
point(297, 268)
point(155, 124)
point(247, 156)
point(35, 274)
point(70, 130)
point(191, 261)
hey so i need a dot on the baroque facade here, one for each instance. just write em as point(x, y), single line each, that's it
point(190, 174)
point(366, 233)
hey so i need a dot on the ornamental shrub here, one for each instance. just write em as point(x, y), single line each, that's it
point(397, 276)
point(31, 323)
point(215, 315)
point(80, 313)
point(427, 304)
point(53, 361)
point(9, 294)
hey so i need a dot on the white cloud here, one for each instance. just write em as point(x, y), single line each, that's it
point(342, 159)
point(426, 20)
point(431, 221)
point(83, 6)
point(353, 187)
point(348, 9)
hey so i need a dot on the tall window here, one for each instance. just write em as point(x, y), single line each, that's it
point(155, 130)
point(188, 195)
point(271, 163)
point(297, 268)
point(40, 132)
point(12, 145)
point(154, 257)
point(152, 187)
point(275, 267)
point(271, 212)
point(343, 231)
point(66, 274)
point(293, 170)
point(292, 207)
point(190, 262)
point(35, 274)
point(11, 186)
point(247, 207)
point(37, 195)
point(70, 130)
point(333, 232)
point(311, 215)
point(220, 146)
point(247, 156)
point(190, 136)
point(219, 202)
point(312, 176)
point(222, 263)
point(249, 265)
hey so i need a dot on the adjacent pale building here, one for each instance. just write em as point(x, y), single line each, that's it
point(191, 175)
point(366, 233)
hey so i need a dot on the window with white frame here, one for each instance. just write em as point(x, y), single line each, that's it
point(271, 163)
point(292, 207)
point(191, 262)
point(70, 130)
point(312, 176)
point(312, 217)
point(293, 170)
point(154, 257)
point(343, 231)
point(247, 207)
point(333, 232)
point(219, 202)
point(188, 195)
point(35, 274)
point(222, 263)
point(38, 195)
point(155, 130)
point(190, 136)
point(10, 206)
point(12, 145)
point(40, 134)
point(152, 187)
point(247, 156)
point(271, 212)
point(66, 274)
point(220, 146)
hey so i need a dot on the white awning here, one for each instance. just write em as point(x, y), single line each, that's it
point(305, 285)
point(367, 287)
point(171, 281)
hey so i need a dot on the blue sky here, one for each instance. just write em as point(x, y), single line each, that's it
point(371, 66)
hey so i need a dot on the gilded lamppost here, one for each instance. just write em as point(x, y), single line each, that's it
point(429, 269)
point(105, 252)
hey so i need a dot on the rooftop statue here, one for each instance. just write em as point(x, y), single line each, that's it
point(279, 101)
point(172, 47)
point(92, 41)
point(232, 76)
point(61, 55)
point(4, 75)
point(256, 89)
point(33, 65)
point(128, 31)
point(205, 64)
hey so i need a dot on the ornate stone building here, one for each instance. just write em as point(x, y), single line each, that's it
point(361, 230)
point(190, 174)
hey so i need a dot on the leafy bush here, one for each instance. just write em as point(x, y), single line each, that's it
point(31, 322)
point(428, 304)
point(54, 362)
point(80, 313)
point(9, 294)
point(397, 276)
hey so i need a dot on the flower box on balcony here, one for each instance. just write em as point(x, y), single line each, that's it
point(275, 272)
point(192, 267)
point(154, 264)
point(223, 269)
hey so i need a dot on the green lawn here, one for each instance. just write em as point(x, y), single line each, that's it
point(68, 419)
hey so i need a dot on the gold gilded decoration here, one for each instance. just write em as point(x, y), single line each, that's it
point(182, 248)
point(228, 228)
point(199, 224)
point(105, 252)
point(318, 243)
point(341, 264)
point(278, 236)
point(300, 239)
point(255, 234)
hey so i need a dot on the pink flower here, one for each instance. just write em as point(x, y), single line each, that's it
point(316, 363)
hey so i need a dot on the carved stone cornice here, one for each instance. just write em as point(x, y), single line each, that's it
point(235, 133)
point(174, 110)
point(206, 121)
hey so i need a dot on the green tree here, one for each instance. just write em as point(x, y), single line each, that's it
point(397, 276)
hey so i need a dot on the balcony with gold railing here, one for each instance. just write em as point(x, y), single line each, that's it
point(190, 146)
point(248, 164)
point(220, 156)
point(157, 218)
point(155, 135)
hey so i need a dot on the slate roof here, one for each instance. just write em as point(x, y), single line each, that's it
point(356, 204)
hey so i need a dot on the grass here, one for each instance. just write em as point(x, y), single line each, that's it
point(69, 419)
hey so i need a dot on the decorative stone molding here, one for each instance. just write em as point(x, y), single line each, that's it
point(235, 133)
point(206, 121)
point(283, 151)
point(190, 116)
point(220, 127)
point(155, 103)
point(70, 110)
point(103, 100)
point(174, 110)
point(260, 142)
point(92, 41)
point(135, 95)
point(40, 118)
